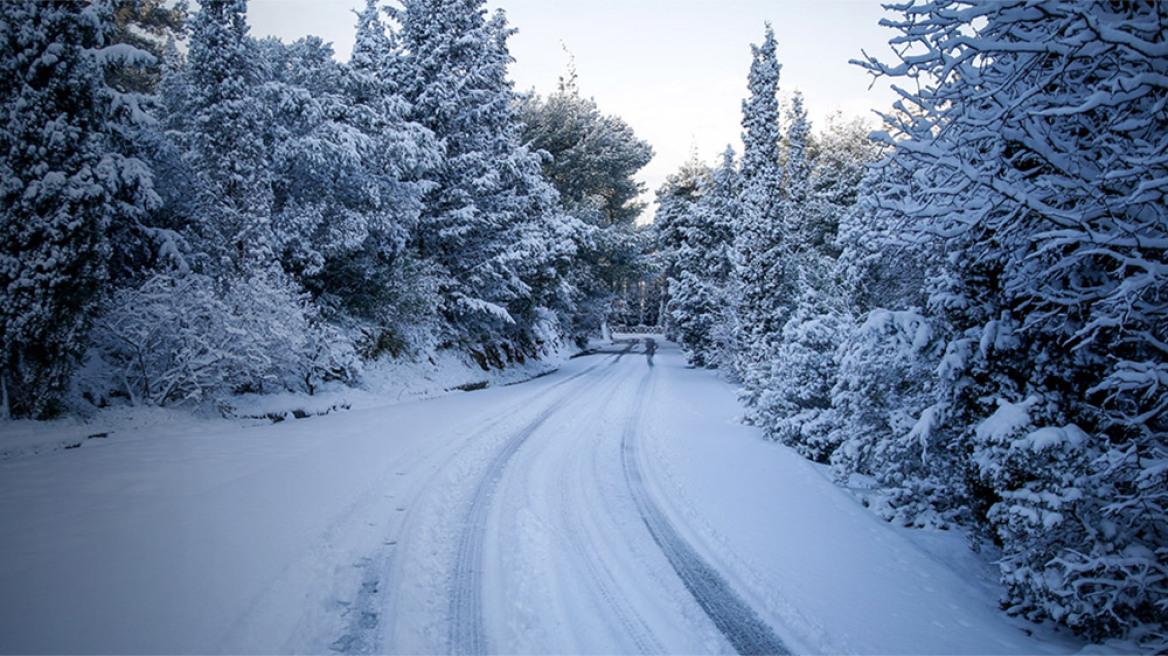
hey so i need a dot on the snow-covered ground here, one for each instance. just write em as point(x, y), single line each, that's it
point(609, 507)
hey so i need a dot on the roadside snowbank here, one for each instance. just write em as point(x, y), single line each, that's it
point(387, 382)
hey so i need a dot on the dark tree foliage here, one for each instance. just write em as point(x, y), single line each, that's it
point(63, 185)
point(591, 159)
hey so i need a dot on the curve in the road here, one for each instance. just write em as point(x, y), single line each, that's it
point(736, 620)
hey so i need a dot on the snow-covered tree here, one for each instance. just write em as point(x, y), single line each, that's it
point(373, 178)
point(64, 183)
point(822, 181)
point(700, 302)
point(375, 56)
point(593, 158)
point(798, 161)
point(758, 233)
point(218, 124)
point(490, 221)
point(676, 201)
point(790, 374)
point(344, 162)
point(235, 320)
point(1037, 147)
point(843, 153)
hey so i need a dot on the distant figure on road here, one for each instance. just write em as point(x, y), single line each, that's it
point(650, 349)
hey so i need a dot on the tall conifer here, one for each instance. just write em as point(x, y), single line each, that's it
point(62, 186)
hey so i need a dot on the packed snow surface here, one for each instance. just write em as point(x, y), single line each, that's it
point(609, 507)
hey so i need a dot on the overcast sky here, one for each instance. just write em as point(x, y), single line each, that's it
point(675, 70)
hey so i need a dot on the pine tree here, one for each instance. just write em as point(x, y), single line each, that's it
point(490, 221)
point(789, 379)
point(758, 235)
point(798, 162)
point(218, 125)
point(375, 57)
point(593, 158)
point(63, 185)
point(699, 290)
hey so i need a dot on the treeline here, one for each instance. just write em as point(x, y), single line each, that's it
point(188, 212)
point(973, 327)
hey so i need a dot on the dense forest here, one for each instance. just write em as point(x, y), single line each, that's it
point(190, 212)
point(963, 314)
point(972, 328)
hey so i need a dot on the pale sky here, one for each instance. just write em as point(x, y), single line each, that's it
point(674, 70)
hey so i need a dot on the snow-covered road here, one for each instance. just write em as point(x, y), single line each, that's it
point(610, 507)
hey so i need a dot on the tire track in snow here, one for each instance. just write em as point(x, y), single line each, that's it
point(467, 635)
point(737, 621)
point(363, 611)
point(602, 578)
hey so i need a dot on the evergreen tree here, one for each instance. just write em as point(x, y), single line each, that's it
point(218, 125)
point(699, 290)
point(593, 158)
point(798, 162)
point(758, 235)
point(375, 56)
point(822, 182)
point(676, 200)
point(344, 163)
point(490, 221)
point(376, 279)
point(63, 184)
point(844, 152)
point(218, 303)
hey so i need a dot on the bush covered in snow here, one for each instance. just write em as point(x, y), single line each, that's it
point(185, 338)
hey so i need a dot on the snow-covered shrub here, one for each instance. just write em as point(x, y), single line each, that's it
point(1040, 477)
point(889, 423)
point(1076, 545)
point(1070, 552)
point(283, 338)
point(796, 406)
point(179, 338)
point(1121, 583)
